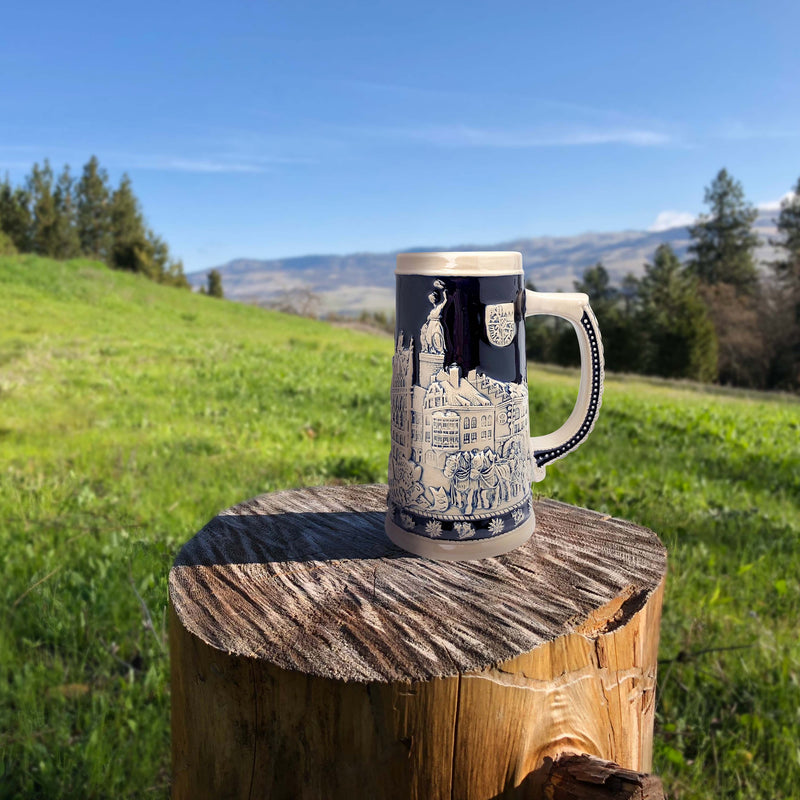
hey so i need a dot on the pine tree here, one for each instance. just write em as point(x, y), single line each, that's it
point(675, 331)
point(629, 294)
point(64, 219)
point(15, 215)
point(67, 243)
point(130, 248)
point(723, 242)
point(541, 334)
point(175, 275)
point(596, 282)
point(785, 317)
point(92, 211)
point(168, 270)
point(787, 269)
point(215, 284)
point(44, 233)
point(620, 344)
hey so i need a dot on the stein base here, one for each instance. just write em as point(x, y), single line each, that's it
point(460, 551)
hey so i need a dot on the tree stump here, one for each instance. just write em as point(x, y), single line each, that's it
point(312, 658)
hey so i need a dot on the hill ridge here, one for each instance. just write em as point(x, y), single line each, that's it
point(352, 282)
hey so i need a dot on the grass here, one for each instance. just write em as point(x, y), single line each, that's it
point(131, 413)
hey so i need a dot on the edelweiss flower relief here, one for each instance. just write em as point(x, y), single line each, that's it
point(433, 528)
point(496, 526)
point(407, 521)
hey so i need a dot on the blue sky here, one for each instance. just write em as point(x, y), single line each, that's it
point(272, 129)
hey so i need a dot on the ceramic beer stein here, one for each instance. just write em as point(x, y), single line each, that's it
point(462, 457)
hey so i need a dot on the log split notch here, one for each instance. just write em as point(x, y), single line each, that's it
point(584, 777)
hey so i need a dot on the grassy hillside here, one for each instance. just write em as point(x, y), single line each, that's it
point(130, 413)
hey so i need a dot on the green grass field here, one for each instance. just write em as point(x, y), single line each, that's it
point(131, 413)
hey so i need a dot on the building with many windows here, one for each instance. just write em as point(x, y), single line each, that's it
point(445, 412)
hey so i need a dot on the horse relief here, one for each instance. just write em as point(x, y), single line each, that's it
point(458, 469)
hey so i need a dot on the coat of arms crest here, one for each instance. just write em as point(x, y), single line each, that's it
point(500, 325)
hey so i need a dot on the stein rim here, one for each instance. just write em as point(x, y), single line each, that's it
point(461, 263)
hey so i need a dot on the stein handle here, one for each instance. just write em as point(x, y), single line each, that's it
point(574, 308)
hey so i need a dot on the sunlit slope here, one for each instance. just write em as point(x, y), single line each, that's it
point(163, 383)
point(130, 413)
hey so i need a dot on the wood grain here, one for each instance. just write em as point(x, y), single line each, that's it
point(313, 659)
point(243, 728)
point(308, 581)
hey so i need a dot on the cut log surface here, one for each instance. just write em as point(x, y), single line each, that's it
point(311, 657)
point(307, 580)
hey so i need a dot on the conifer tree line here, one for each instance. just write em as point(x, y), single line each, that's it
point(63, 216)
point(714, 317)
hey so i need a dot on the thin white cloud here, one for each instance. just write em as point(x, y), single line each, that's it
point(463, 136)
point(567, 112)
point(671, 219)
point(740, 131)
point(169, 164)
point(460, 95)
point(775, 205)
point(221, 162)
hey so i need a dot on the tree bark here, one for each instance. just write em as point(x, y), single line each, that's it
point(311, 658)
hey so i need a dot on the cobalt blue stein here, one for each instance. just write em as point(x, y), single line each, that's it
point(462, 458)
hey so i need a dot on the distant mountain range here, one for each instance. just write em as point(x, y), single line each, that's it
point(351, 283)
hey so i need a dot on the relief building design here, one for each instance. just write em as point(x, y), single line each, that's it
point(459, 464)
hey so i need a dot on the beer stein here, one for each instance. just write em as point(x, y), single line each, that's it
point(462, 458)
